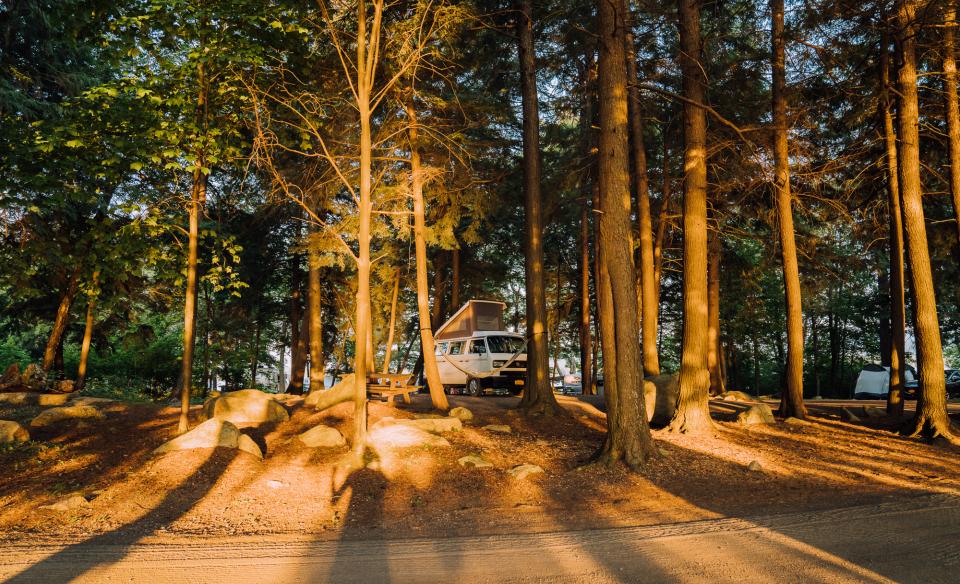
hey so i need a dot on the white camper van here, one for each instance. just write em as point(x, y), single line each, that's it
point(476, 355)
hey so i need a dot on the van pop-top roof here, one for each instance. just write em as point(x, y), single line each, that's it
point(475, 315)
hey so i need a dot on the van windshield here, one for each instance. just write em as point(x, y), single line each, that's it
point(509, 345)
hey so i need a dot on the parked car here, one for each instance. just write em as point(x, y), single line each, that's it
point(952, 377)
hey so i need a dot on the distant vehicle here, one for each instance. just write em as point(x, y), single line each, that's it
point(951, 376)
point(475, 355)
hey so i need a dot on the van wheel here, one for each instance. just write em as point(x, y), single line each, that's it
point(474, 388)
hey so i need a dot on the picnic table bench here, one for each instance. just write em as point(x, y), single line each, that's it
point(389, 385)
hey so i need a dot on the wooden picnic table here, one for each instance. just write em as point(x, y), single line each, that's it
point(389, 385)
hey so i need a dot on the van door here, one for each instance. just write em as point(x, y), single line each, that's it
point(444, 368)
point(456, 352)
point(478, 359)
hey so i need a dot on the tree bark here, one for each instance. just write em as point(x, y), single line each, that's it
point(628, 436)
point(647, 297)
point(298, 355)
point(87, 337)
point(791, 400)
point(61, 320)
point(538, 395)
point(951, 105)
point(427, 351)
point(197, 200)
point(388, 352)
point(897, 296)
point(587, 180)
point(661, 233)
point(455, 279)
point(931, 418)
point(713, 311)
point(693, 413)
point(315, 311)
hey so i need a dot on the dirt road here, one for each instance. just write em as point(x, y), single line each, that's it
point(914, 540)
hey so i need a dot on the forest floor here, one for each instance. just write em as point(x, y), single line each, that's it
point(135, 495)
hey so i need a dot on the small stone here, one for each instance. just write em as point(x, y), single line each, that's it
point(473, 461)
point(737, 396)
point(68, 503)
point(663, 451)
point(274, 484)
point(848, 416)
point(64, 386)
point(12, 432)
point(462, 413)
point(246, 444)
point(754, 466)
point(499, 428)
point(322, 437)
point(522, 471)
point(791, 421)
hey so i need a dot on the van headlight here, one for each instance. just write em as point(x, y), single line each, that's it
point(499, 364)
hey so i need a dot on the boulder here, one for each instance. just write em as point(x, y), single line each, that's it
point(214, 433)
point(754, 466)
point(246, 444)
point(403, 436)
point(756, 414)
point(847, 416)
point(68, 504)
point(791, 421)
point(322, 437)
point(33, 378)
point(435, 425)
point(341, 391)
point(426, 416)
point(473, 461)
point(522, 471)
point(29, 398)
point(498, 428)
point(10, 377)
point(53, 399)
point(64, 386)
point(736, 396)
point(60, 414)
point(12, 432)
point(247, 406)
point(660, 398)
point(462, 413)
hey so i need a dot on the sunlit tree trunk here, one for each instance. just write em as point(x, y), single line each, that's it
point(628, 435)
point(538, 395)
point(896, 281)
point(931, 417)
point(587, 180)
point(791, 400)
point(315, 312)
point(393, 322)
point(427, 352)
point(647, 298)
point(693, 413)
point(61, 320)
point(197, 200)
point(87, 337)
point(713, 311)
point(951, 105)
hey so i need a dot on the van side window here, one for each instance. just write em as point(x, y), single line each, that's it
point(478, 347)
point(441, 349)
point(456, 348)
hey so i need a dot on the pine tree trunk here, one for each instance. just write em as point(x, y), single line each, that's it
point(628, 436)
point(931, 417)
point(587, 180)
point(897, 297)
point(61, 320)
point(647, 297)
point(455, 279)
point(693, 412)
point(87, 337)
point(190, 299)
point(427, 347)
point(791, 400)
point(255, 353)
point(661, 233)
point(713, 312)
point(315, 312)
point(298, 355)
point(951, 105)
point(388, 352)
point(538, 395)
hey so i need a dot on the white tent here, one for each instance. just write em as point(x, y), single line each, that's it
point(874, 381)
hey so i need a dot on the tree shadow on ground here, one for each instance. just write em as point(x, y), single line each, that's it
point(76, 560)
